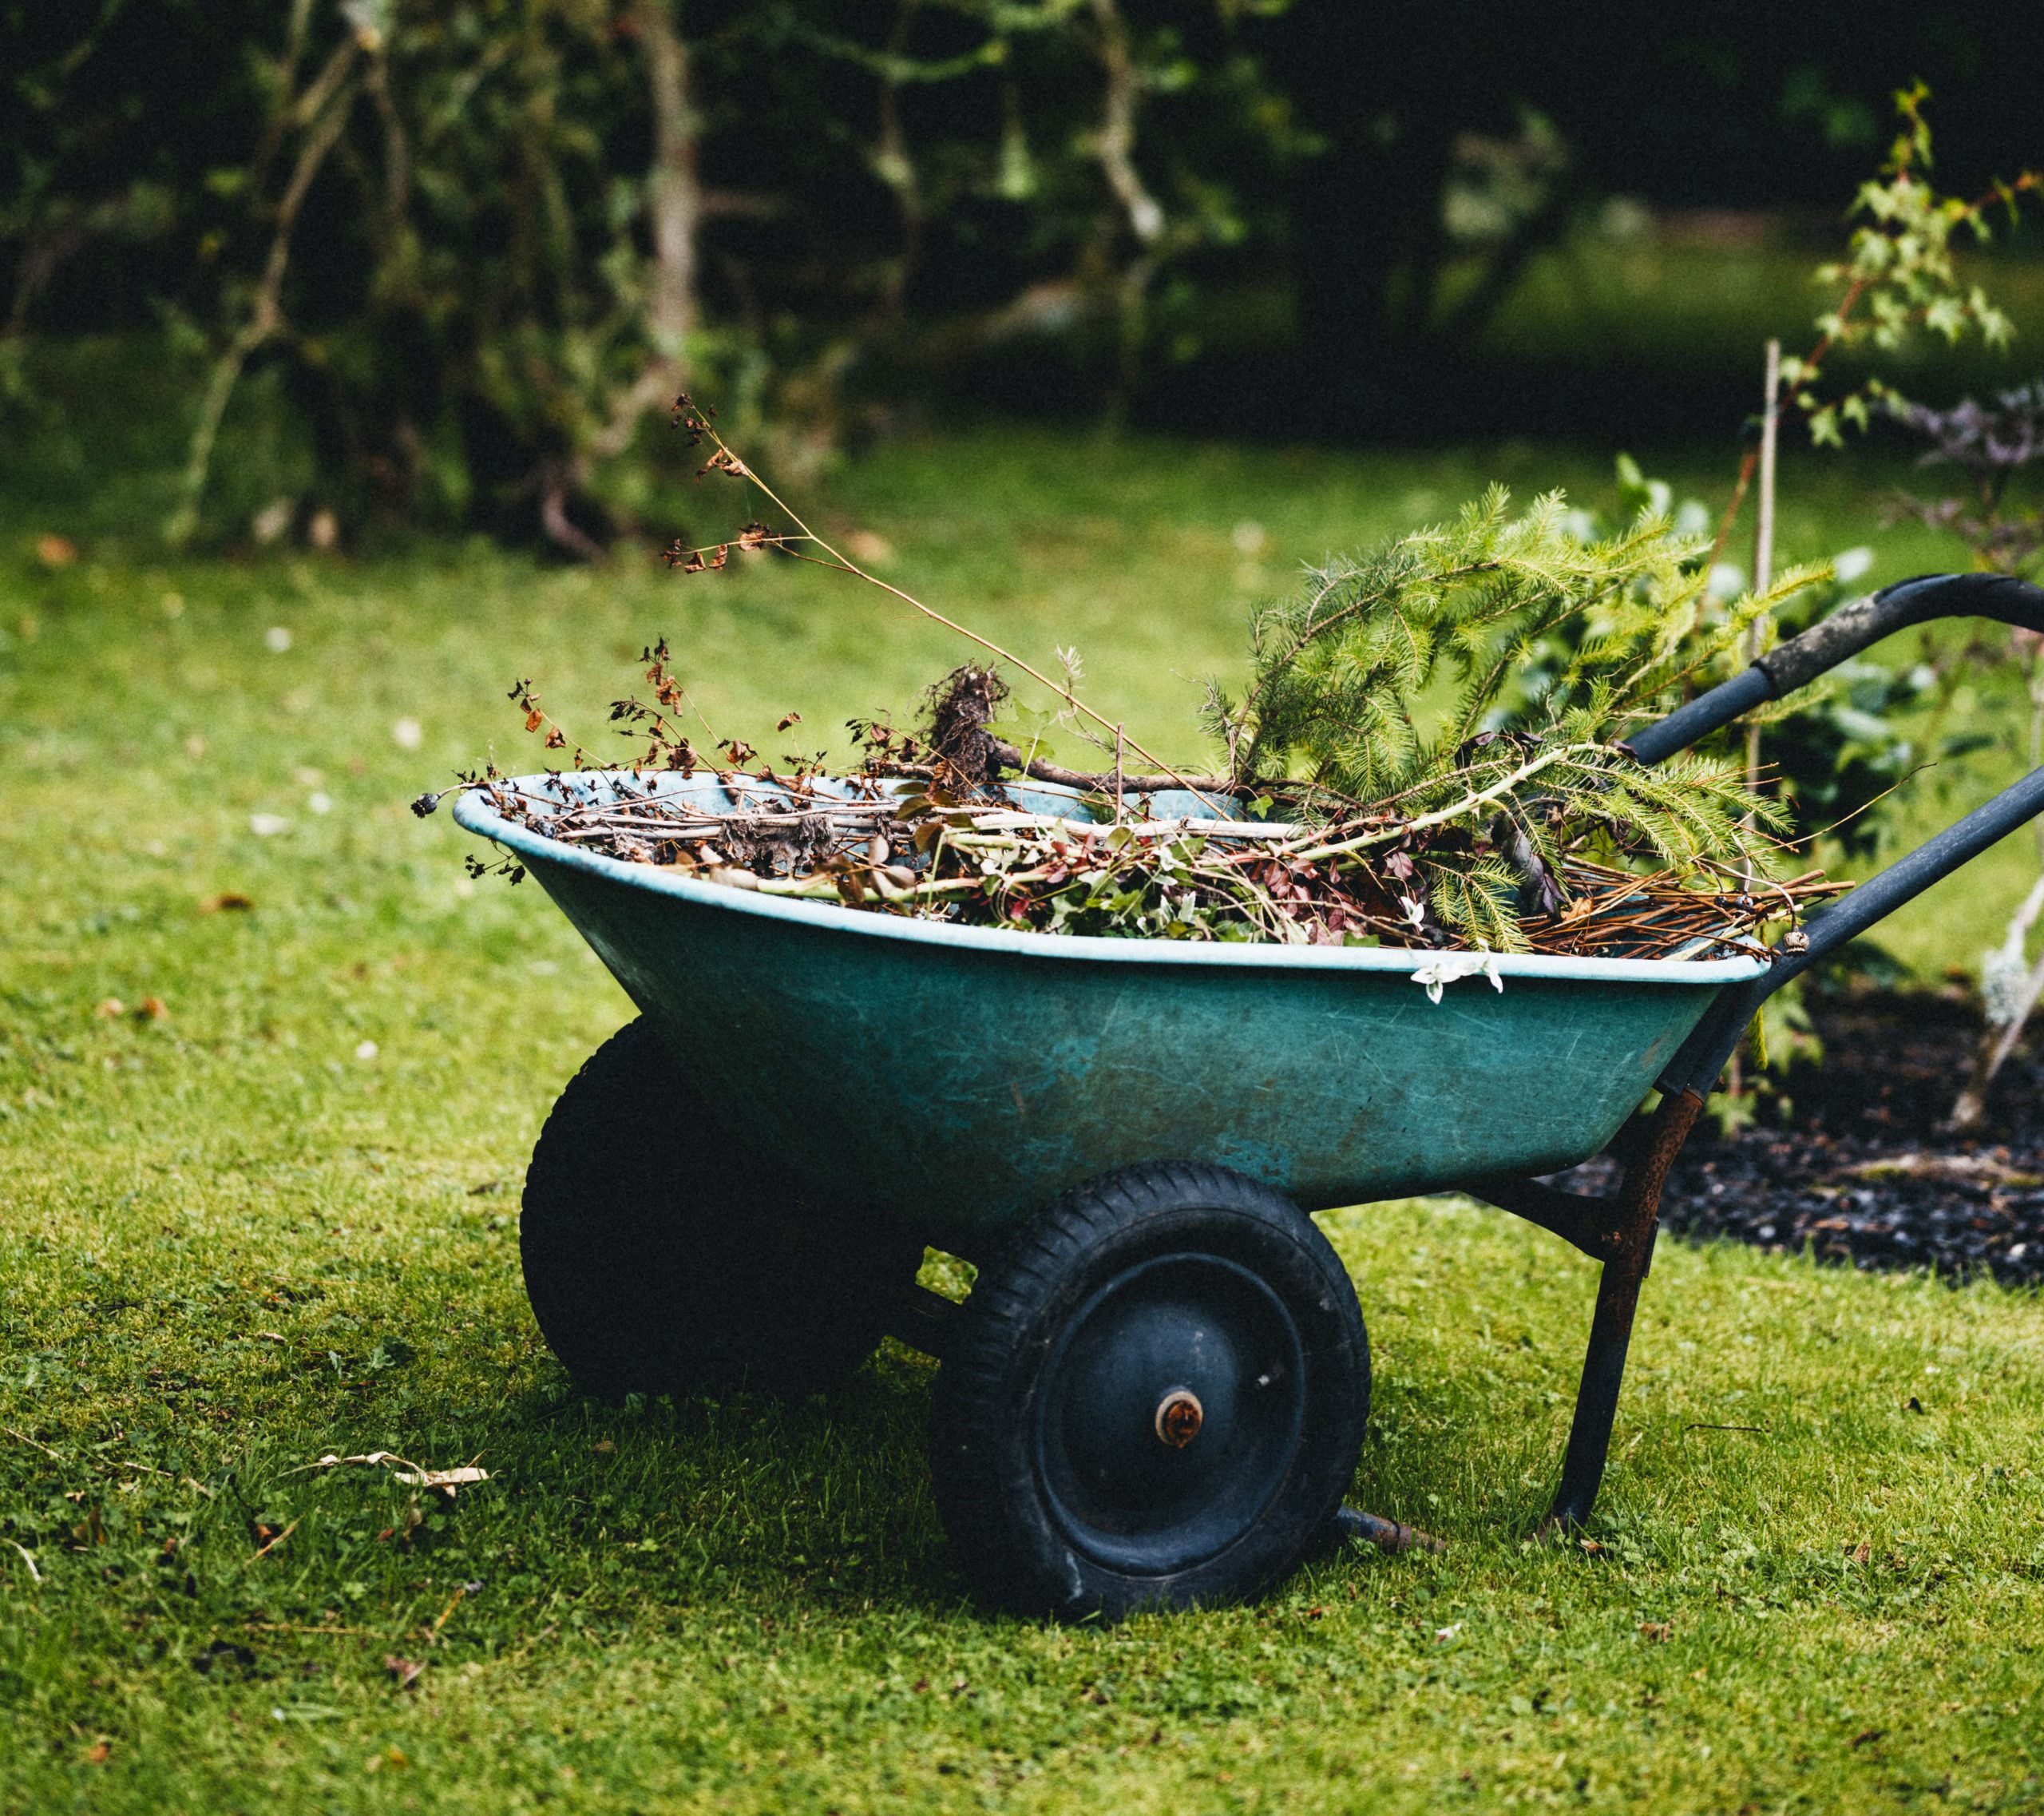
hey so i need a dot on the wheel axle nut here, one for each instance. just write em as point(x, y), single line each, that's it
point(1179, 1414)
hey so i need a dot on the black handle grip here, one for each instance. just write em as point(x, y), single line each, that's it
point(1840, 638)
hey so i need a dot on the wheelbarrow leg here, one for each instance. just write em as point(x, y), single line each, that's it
point(1617, 1298)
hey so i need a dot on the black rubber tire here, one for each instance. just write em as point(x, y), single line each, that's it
point(1039, 1429)
point(661, 1256)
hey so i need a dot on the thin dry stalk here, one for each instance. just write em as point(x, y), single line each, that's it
point(702, 427)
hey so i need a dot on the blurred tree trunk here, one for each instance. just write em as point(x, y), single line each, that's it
point(1391, 97)
point(1366, 208)
point(895, 165)
point(673, 189)
point(318, 113)
point(675, 208)
point(1121, 97)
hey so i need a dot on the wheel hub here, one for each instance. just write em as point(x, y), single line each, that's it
point(1179, 1415)
point(1168, 1412)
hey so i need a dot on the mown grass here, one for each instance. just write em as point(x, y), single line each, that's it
point(1676, 304)
point(279, 1221)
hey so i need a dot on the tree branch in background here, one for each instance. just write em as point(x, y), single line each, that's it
point(59, 235)
point(675, 207)
point(1114, 147)
point(321, 112)
point(1900, 278)
point(673, 186)
point(894, 166)
point(1539, 230)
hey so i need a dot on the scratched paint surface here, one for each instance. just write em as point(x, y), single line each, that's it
point(956, 1088)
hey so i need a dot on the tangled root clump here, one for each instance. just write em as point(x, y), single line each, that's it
point(958, 711)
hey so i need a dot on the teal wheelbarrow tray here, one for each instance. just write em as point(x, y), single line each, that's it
point(1154, 1393)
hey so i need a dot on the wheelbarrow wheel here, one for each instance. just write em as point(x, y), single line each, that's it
point(661, 1256)
point(1156, 1399)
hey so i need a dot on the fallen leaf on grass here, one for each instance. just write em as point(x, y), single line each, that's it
point(447, 1480)
point(96, 1755)
point(404, 1672)
point(389, 1756)
point(149, 1009)
point(1656, 1630)
point(1861, 1553)
point(57, 552)
point(408, 1473)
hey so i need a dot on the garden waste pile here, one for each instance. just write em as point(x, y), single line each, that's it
point(1428, 753)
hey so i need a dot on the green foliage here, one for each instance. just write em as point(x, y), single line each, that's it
point(1836, 749)
point(1900, 277)
point(484, 242)
point(1555, 643)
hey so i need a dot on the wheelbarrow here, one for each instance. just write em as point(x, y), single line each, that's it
point(1155, 1394)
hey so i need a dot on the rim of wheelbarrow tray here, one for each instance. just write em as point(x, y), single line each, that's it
point(473, 812)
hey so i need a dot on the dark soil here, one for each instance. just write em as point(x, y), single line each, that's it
point(1859, 1172)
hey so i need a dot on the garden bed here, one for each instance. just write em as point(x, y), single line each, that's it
point(1861, 1172)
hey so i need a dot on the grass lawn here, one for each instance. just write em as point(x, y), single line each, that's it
point(277, 1219)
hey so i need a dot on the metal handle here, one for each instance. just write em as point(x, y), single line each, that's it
point(1840, 637)
point(1701, 1058)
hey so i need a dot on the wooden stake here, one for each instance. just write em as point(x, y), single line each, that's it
point(1770, 423)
